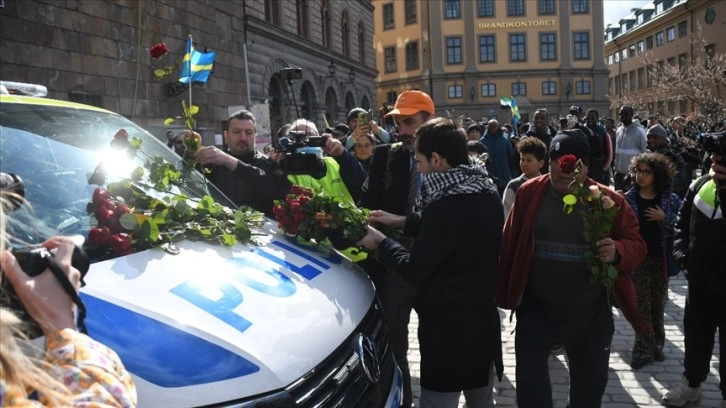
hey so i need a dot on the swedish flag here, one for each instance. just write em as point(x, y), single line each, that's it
point(196, 65)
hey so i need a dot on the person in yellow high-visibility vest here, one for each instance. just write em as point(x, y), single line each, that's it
point(343, 177)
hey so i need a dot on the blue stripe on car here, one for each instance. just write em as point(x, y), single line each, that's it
point(159, 353)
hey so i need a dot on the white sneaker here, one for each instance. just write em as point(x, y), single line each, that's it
point(682, 395)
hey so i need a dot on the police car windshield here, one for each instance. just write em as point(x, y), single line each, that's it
point(56, 150)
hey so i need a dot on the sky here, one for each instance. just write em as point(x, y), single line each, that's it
point(617, 9)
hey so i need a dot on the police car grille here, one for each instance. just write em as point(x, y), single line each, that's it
point(339, 380)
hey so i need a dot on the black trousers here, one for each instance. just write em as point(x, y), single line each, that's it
point(705, 312)
point(586, 335)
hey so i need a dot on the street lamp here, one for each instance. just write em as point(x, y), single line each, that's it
point(331, 72)
point(351, 79)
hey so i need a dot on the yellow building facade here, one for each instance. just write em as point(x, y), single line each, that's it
point(658, 33)
point(468, 53)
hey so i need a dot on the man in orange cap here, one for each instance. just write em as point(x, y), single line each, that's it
point(392, 185)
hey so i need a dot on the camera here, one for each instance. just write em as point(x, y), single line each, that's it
point(291, 74)
point(716, 143)
point(301, 154)
point(33, 261)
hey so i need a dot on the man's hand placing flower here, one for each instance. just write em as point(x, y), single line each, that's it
point(372, 239)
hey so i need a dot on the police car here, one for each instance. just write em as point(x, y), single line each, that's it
point(273, 325)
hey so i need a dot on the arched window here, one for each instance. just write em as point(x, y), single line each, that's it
point(272, 12)
point(325, 24)
point(303, 18)
point(345, 34)
point(362, 43)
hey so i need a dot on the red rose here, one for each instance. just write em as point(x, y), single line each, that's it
point(158, 51)
point(121, 209)
point(99, 236)
point(295, 206)
point(299, 217)
point(303, 199)
point(103, 215)
point(121, 244)
point(297, 190)
point(319, 215)
point(567, 163)
point(100, 194)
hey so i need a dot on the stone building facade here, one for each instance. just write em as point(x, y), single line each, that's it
point(97, 52)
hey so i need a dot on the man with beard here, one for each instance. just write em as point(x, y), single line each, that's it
point(543, 131)
point(630, 141)
point(392, 185)
point(242, 173)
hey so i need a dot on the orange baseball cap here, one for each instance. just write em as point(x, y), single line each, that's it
point(411, 103)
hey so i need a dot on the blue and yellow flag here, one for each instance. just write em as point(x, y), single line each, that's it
point(512, 104)
point(196, 65)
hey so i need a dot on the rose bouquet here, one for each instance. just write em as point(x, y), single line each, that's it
point(142, 212)
point(317, 217)
point(598, 212)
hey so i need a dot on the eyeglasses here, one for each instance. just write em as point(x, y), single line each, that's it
point(642, 172)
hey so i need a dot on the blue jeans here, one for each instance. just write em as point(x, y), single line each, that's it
point(586, 334)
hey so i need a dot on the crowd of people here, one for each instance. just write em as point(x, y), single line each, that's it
point(479, 209)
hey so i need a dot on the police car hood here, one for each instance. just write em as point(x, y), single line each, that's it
point(213, 323)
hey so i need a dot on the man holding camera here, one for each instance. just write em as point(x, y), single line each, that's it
point(700, 234)
point(242, 173)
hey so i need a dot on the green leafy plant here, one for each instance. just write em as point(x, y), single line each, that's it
point(598, 212)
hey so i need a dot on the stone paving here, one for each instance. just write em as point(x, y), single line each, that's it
point(626, 388)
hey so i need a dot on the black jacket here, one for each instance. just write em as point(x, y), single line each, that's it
point(699, 243)
point(454, 261)
point(386, 187)
point(252, 183)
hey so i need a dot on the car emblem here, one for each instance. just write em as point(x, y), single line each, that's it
point(368, 354)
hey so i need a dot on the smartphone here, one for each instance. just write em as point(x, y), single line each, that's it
point(364, 118)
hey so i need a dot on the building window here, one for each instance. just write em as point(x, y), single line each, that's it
point(519, 89)
point(582, 87)
point(549, 88)
point(649, 75)
point(517, 47)
point(617, 85)
point(389, 56)
point(624, 81)
point(641, 78)
point(610, 59)
point(489, 90)
point(682, 29)
point(515, 8)
point(624, 54)
point(485, 8)
point(303, 18)
point(582, 45)
point(487, 49)
point(388, 21)
point(546, 7)
point(671, 61)
point(452, 9)
point(659, 39)
point(683, 106)
point(617, 57)
point(412, 55)
point(580, 7)
point(547, 47)
point(272, 12)
point(345, 34)
point(672, 106)
point(453, 50)
point(410, 10)
point(361, 43)
point(670, 34)
point(632, 80)
point(649, 43)
point(456, 91)
point(639, 47)
point(325, 23)
point(391, 96)
point(710, 51)
point(682, 61)
point(631, 51)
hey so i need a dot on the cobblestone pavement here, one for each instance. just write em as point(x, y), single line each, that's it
point(626, 388)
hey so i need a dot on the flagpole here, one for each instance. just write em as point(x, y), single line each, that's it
point(191, 47)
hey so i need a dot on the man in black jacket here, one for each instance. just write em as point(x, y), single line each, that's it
point(453, 262)
point(242, 173)
point(699, 239)
point(392, 185)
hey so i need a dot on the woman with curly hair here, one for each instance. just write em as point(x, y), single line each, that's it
point(656, 206)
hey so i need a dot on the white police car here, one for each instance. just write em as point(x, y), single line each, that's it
point(275, 325)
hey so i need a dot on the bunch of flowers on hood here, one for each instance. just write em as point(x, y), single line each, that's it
point(598, 212)
point(129, 219)
point(317, 217)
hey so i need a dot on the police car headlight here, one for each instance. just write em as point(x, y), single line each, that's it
point(275, 400)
